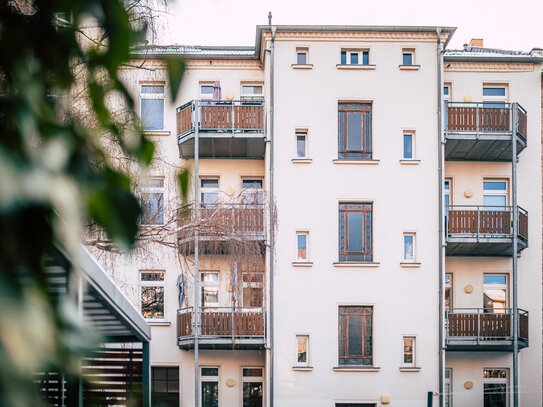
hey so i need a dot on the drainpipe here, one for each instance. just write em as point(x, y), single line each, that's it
point(272, 230)
point(515, 254)
point(196, 249)
point(440, 146)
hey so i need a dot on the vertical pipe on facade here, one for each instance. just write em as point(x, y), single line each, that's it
point(440, 147)
point(272, 204)
point(196, 247)
point(515, 248)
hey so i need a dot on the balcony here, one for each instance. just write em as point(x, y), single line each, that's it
point(222, 225)
point(477, 132)
point(483, 231)
point(226, 129)
point(223, 328)
point(473, 329)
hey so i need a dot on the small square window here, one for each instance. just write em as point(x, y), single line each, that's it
point(408, 56)
point(302, 56)
point(409, 247)
point(301, 144)
point(301, 246)
point(408, 146)
point(302, 350)
point(206, 91)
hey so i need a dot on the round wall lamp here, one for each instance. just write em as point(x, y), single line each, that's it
point(468, 289)
point(230, 382)
point(468, 385)
point(468, 193)
point(468, 98)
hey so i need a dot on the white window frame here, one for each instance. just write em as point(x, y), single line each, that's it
point(413, 56)
point(405, 259)
point(499, 380)
point(153, 96)
point(250, 192)
point(448, 396)
point(497, 286)
point(148, 188)
point(413, 363)
point(253, 379)
point(302, 50)
point(210, 285)
point(413, 144)
point(496, 99)
point(160, 283)
point(209, 190)
point(205, 96)
point(252, 284)
point(297, 363)
point(210, 379)
point(499, 192)
point(306, 234)
point(449, 96)
point(449, 286)
point(358, 51)
point(251, 96)
point(301, 133)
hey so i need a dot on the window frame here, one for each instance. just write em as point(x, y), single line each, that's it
point(350, 310)
point(413, 362)
point(209, 190)
point(297, 362)
point(411, 134)
point(496, 100)
point(152, 96)
point(205, 96)
point(253, 97)
point(301, 133)
point(153, 402)
point(449, 286)
point(209, 285)
point(366, 255)
point(252, 379)
point(448, 396)
point(498, 380)
point(447, 97)
point(149, 284)
point(413, 235)
point(153, 190)
point(408, 51)
point(365, 109)
point(252, 192)
point(210, 379)
point(302, 50)
point(306, 234)
point(360, 54)
point(252, 285)
point(496, 286)
point(496, 192)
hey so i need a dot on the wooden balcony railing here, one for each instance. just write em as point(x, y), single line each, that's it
point(223, 322)
point(221, 116)
point(481, 221)
point(481, 118)
point(479, 325)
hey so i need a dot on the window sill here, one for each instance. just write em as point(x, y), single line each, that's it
point(302, 66)
point(302, 264)
point(302, 160)
point(409, 67)
point(302, 368)
point(156, 132)
point(409, 162)
point(356, 369)
point(410, 369)
point(356, 162)
point(359, 67)
point(412, 265)
point(351, 265)
point(159, 323)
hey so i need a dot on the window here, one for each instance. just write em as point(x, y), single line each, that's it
point(301, 143)
point(355, 232)
point(355, 131)
point(252, 191)
point(448, 388)
point(408, 247)
point(301, 56)
point(206, 91)
point(495, 388)
point(495, 194)
point(448, 291)
point(209, 382)
point(252, 92)
point(494, 95)
point(447, 91)
point(209, 286)
point(447, 193)
point(252, 285)
point(355, 336)
point(152, 202)
point(409, 351)
point(302, 350)
point(152, 294)
point(408, 146)
point(301, 246)
point(355, 57)
point(495, 293)
point(209, 191)
point(253, 384)
point(152, 107)
point(165, 386)
point(408, 56)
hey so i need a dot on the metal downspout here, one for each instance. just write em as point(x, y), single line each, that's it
point(440, 146)
point(196, 249)
point(515, 253)
point(272, 205)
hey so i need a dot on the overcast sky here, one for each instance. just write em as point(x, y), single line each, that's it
point(512, 24)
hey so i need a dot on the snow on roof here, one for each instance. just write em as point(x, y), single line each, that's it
point(489, 53)
point(192, 50)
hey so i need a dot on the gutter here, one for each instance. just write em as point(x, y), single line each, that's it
point(272, 204)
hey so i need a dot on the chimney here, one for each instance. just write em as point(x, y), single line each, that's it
point(476, 42)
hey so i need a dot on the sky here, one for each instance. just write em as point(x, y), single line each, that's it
point(512, 24)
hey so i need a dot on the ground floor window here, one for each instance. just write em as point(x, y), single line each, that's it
point(448, 387)
point(165, 386)
point(495, 388)
point(209, 379)
point(253, 383)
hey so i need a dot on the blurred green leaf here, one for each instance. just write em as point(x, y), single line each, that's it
point(176, 69)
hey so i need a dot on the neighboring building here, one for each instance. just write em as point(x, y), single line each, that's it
point(355, 240)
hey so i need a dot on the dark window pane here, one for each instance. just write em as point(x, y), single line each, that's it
point(206, 91)
point(495, 395)
point(408, 59)
point(152, 205)
point(494, 185)
point(253, 296)
point(407, 146)
point(210, 371)
point(355, 232)
point(354, 58)
point(152, 114)
point(152, 302)
point(355, 335)
point(210, 394)
point(365, 58)
point(252, 394)
point(445, 90)
point(493, 91)
point(210, 183)
point(341, 132)
point(343, 57)
point(252, 372)
point(354, 131)
point(301, 58)
point(165, 386)
point(252, 183)
point(152, 276)
point(300, 146)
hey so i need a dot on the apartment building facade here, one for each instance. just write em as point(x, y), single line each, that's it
point(352, 223)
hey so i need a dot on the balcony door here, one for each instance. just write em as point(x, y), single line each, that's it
point(209, 284)
point(495, 194)
point(495, 293)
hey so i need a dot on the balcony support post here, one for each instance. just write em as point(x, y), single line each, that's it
point(477, 121)
point(196, 249)
point(478, 325)
point(478, 222)
point(515, 251)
